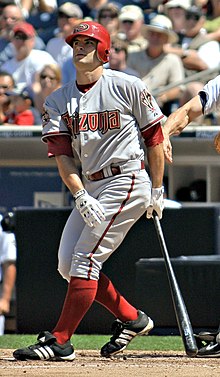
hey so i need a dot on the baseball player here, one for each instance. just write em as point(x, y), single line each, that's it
point(102, 117)
point(7, 266)
point(207, 101)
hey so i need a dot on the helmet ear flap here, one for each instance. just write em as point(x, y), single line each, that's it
point(103, 53)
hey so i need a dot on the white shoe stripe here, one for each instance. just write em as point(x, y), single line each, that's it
point(37, 351)
point(50, 351)
point(44, 353)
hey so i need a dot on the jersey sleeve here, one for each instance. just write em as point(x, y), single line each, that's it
point(212, 95)
point(59, 145)
point(145, 108)
point(153, 136)
point(53, 121)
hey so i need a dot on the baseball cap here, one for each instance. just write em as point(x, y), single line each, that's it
point(25, 28)
point(131, 13)
point(71, 10)
point(161, 24)
point(177, 4)
point(25, 93)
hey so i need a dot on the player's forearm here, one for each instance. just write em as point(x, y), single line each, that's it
point(9, 276)
point(69, 173)
point(155, 156)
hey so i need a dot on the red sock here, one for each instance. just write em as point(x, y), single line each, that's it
point(109, 297)
point(80, 296)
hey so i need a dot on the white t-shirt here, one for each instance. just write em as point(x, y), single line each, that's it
point(7, 248)
point(24, 71)
point(59, 50)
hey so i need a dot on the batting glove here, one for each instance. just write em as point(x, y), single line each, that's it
point(156, 202)
point(90, 209)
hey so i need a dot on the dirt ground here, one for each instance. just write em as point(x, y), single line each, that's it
point(129, 364)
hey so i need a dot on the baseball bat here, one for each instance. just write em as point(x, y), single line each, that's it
point(182, 317)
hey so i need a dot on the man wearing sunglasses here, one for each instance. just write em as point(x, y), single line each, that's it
point(68, 15)
point(12, 15)
point(131, 19)
point(27, 60)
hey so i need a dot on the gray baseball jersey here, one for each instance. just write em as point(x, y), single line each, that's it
point(212, 91)
point(105, 121)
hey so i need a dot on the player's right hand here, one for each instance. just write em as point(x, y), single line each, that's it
point(89, 207)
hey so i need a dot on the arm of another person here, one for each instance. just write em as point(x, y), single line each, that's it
point(9, 276)
point(178, 120)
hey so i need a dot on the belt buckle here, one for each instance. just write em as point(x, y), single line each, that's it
point(86, 176)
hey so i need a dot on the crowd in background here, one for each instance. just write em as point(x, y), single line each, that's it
point(168, 44)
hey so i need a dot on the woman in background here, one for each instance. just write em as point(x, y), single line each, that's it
point(47, 80)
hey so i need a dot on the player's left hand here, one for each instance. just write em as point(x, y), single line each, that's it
point(156, 203)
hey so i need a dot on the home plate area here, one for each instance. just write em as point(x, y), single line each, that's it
point(129, 364)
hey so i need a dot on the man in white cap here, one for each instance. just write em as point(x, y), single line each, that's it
point(68, 15)
point(156, 68)
point(176, 11)
point(131, 20)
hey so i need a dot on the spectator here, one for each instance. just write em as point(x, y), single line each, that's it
point(6, 84)
point(68, 71)
point(157, 68)
point(68, 15)
point(131, 25)
point(108, 17)
point(10, 17)
point(196, 52)
point(27, 60)
point(29, 7)
point(175, 10)
point(212, 23)
point(90, 8)
point(20, 112)
point(42, 14)
point(47, 80)
point(118, 57)
point(7, 267)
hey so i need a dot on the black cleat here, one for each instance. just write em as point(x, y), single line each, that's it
point(124, 332)
point(208, 344)
point(47, 348)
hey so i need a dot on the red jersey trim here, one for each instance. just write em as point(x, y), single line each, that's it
point(54, 133)
point(152, 123)
point(153, 136)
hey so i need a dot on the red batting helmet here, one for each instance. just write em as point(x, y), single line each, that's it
point(94, 30)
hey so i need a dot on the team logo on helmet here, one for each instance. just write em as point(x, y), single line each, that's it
point(80, 28)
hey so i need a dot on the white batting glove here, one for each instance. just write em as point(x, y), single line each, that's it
point(89, 207)
point(156, 202)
